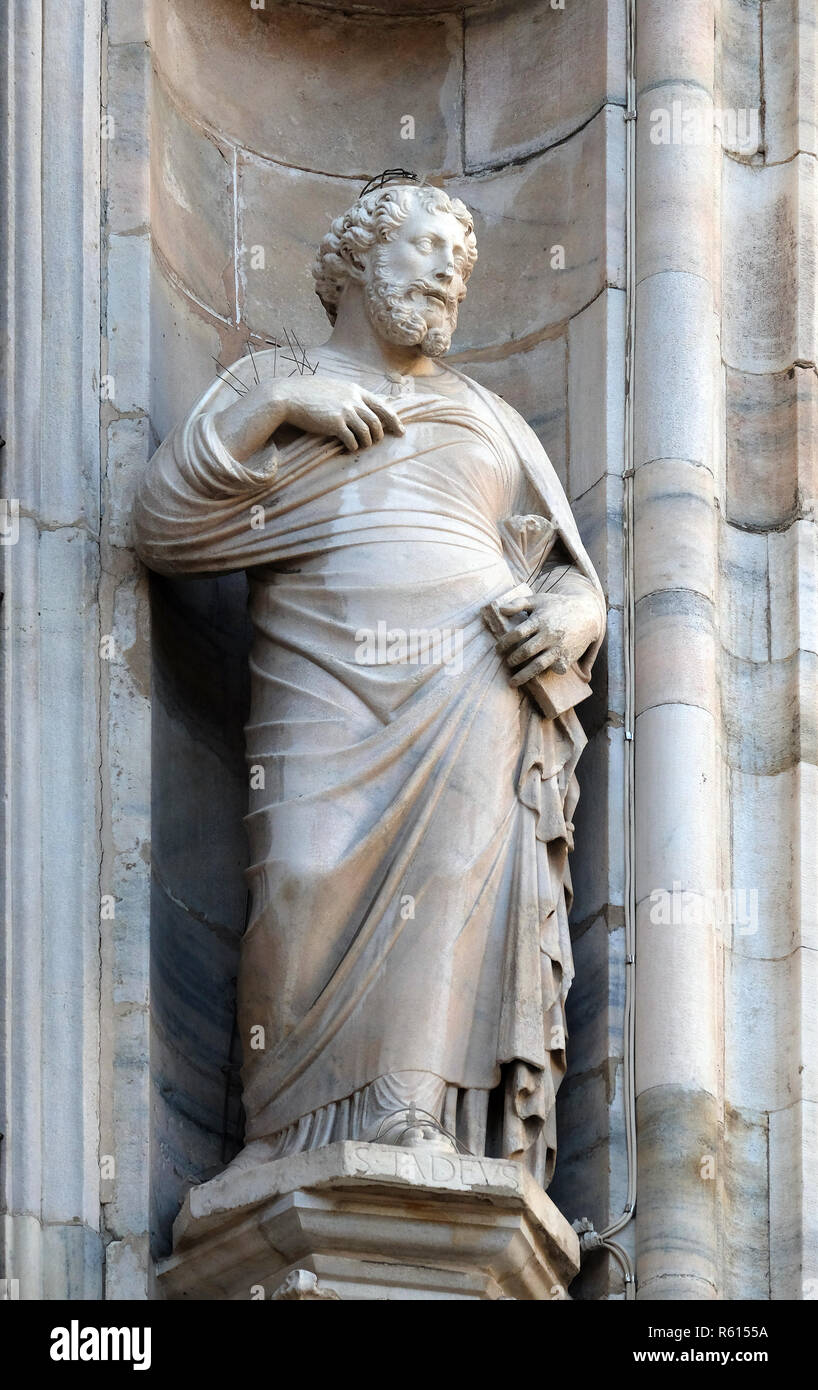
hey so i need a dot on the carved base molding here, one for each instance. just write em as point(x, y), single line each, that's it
point(369, 1221)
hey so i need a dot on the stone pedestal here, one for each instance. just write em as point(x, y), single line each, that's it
point(371, 1221)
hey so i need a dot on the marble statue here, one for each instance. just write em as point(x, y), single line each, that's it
point(425, 620)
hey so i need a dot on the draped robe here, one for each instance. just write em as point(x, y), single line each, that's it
point(409, 819)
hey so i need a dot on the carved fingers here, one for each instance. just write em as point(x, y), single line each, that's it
point(557, 632)
point(365, 418)
point(343, 409)
point(533, 645)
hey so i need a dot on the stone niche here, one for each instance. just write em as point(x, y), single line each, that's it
point(264, 125)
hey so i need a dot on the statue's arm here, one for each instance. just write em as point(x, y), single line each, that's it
point(554, 630)
point(558, 622)
point(185, 487)
point(314, 405)
point(227, 449)
point(562, 576)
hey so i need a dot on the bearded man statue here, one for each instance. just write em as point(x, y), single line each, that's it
point(406, 962)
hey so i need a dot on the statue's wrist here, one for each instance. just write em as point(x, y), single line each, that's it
point(246, 425)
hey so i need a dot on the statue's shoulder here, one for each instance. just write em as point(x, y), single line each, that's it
point(510, 416)
point(278, 359)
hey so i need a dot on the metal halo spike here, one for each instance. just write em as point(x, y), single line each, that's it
point(390, 176)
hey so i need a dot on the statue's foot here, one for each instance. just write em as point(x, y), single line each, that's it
point(428, 1138)
point(255, 1153)
point(406, 1129)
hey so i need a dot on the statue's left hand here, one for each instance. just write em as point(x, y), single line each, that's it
point(558, 630)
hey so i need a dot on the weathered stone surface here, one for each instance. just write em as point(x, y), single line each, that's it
point(198, 905)
point(201, 702)
point(50, 561)
point(747, 1224)
point(674, 500)
point(192, 205)
point(534, 73)
point(596, 391)
point(127, 323)
point(129, 448)
point(126, 1193)
point(587, 1165)
point(595, 1034)
point(769, 300)
point(184, 1150)
point(675, 1049)
point(676, 651)
point(591, 1178)
point(790, 72)
point(72, 1262)
point(675, 44)
point(524, 214)
point(599, 517)
point(68, 564)
point(675, 829)
point(127, 21)
point(125, 137)
point(126, 1266)
point(793, 590)
point(283, 214)
point(613, 664)
point(759, 991)
point(676, 365)
point(770, 720)
point(793, 1218)
point(771, 428)
point(597, 867)
point(304, 86)
point(184, 341)
point(679, 1152)
point(739, 59)
point(677, 213)
point(374, 1222)
point(744, 593)
point(764, 887)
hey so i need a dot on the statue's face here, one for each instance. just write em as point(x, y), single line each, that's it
point(416, 280)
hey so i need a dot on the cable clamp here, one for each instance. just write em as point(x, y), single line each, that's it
point(589, 1237)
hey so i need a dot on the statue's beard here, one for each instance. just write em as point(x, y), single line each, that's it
point(398, 319)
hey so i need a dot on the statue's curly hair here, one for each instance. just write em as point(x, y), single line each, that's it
point(372, 220)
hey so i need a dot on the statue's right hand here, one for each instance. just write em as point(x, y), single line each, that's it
point(337, 408)
point(340, 409)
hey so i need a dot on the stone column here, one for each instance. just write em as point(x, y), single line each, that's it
point(726, 651)
point(677, 732)
point(126, 443)
point(50, 963)
point(770, 625)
